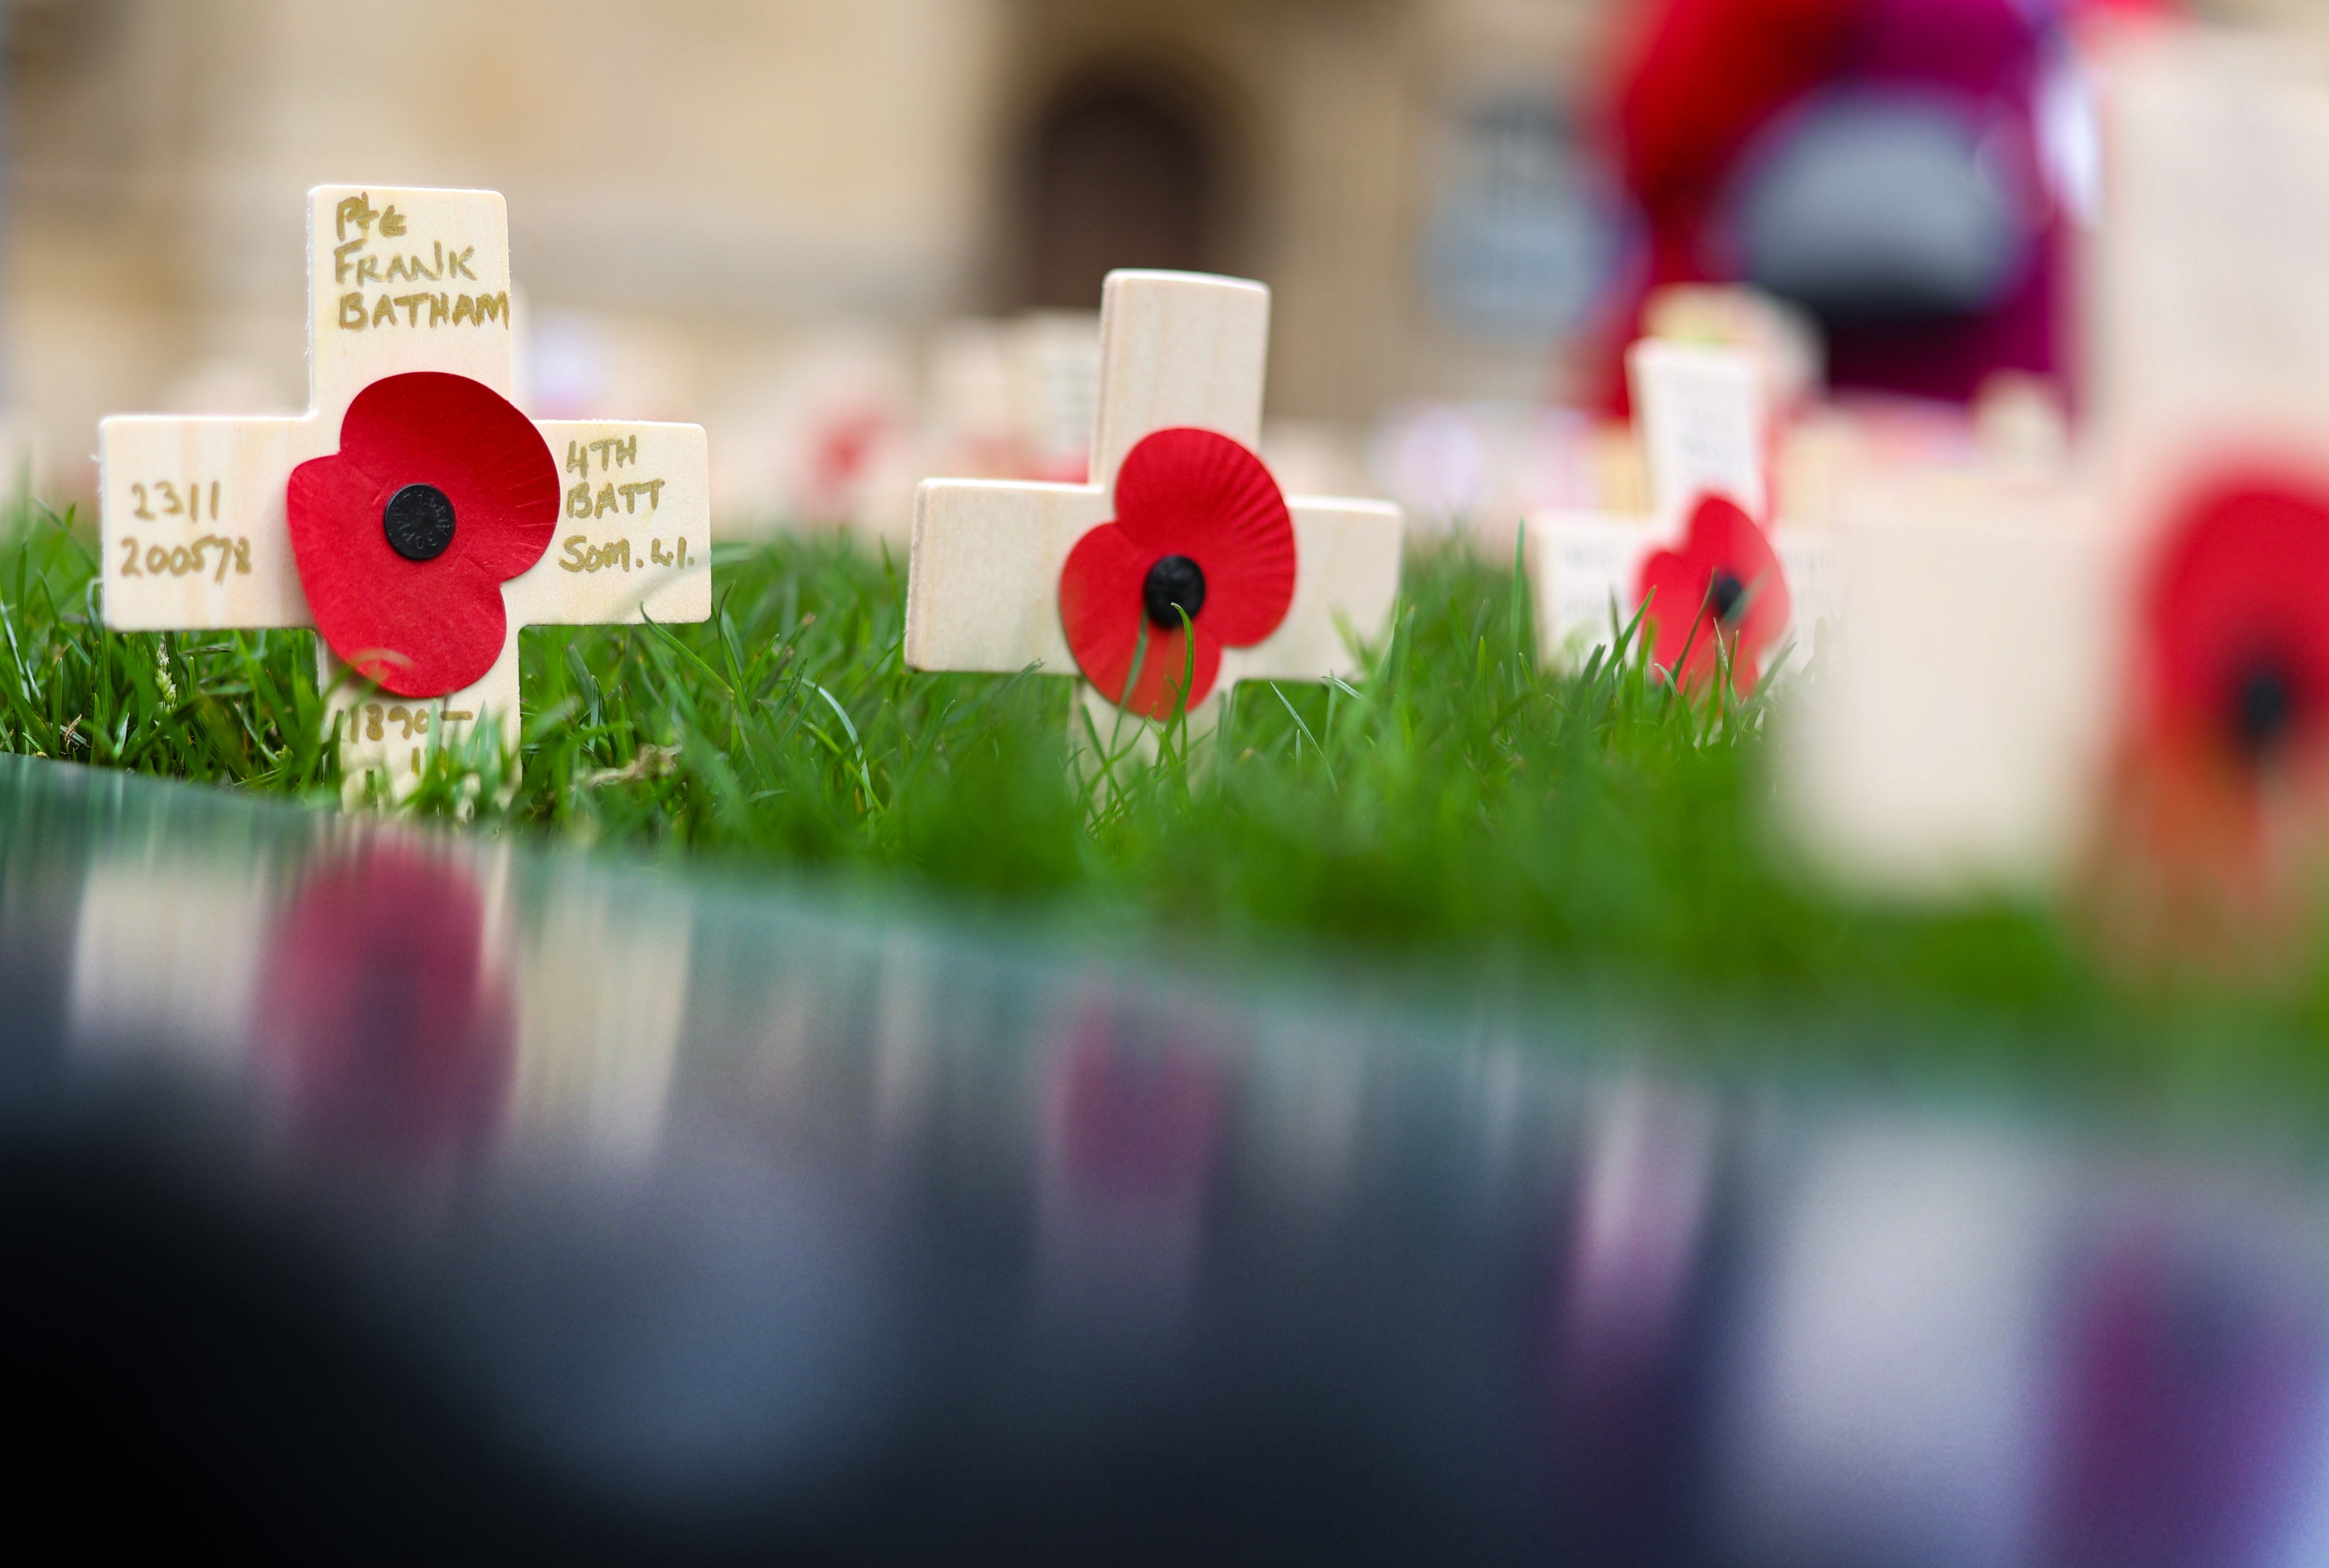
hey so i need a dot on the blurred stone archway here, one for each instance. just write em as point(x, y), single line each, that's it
point(1128, 162)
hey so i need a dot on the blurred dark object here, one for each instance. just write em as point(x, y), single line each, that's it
point(1524, 228)
point(1884, 163)
point(1122, 173)
point(1873, 208)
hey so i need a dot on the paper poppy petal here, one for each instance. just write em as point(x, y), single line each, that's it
point(429, 428)
point(1166, 663)
point(1099, 605)
point(1101, 613)
point(1199, 494)
point(421, 628)
point(1671, 597)
point(2216, 817)
point(417, 631)
point(1749, 556)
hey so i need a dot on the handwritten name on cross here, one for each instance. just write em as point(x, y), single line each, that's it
point(1177, 351)
point(194, 510)
point(1700, 419)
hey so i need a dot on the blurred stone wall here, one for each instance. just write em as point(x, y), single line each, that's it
point(703, 192)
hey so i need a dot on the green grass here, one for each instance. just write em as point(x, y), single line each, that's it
point(1457, 813)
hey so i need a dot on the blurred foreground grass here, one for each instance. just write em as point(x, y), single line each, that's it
point(1458, 812)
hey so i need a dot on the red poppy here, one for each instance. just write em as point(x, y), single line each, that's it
point(2217, 813)
point(2236, 629)
point(392, 1033)
point(441, 492)
point(1200, 528)
point(1723, 586)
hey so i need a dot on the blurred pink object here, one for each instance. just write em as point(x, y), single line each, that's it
point(1135, 1120)
point(2190, 1393)
point(392, 1032)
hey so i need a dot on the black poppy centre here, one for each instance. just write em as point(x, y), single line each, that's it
point(1726, 596)
point(418, 521)
point(1174, 586)
point(2267, 708)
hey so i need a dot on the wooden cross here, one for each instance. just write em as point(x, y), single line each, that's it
point(1700, 419)
point(1176, 350)
point(193, 510)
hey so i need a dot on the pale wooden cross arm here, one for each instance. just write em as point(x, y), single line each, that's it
point(208, 493)
point(1582, 567)
point(633, 544)
point(1347, 587)
point(191, 520)
point(983, 593)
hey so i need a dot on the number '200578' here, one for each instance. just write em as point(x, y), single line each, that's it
point(178, 560)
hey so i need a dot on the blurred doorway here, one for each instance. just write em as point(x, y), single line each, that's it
point(1120, 174)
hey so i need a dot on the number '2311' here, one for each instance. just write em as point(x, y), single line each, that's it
point(175, 503)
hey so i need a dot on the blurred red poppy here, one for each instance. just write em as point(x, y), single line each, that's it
point(2218, 799)
point(441, 492)
point(2236, 631)
point(1724, 586)
point(1199, 529)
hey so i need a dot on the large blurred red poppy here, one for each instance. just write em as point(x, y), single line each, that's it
point(441, 492)
point(1200, 528)
point(2236, 631)
point(2219, 798)
point(1724, 586)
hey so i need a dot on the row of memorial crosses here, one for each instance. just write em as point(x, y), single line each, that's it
point(416, 519)
point(409, 515)
point(2118, 683)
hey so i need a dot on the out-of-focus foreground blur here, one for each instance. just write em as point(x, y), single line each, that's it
point(374, 1193)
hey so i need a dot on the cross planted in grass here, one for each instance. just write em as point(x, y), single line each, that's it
point(1179, 568)
point(1717, 582)
point(409, 515)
